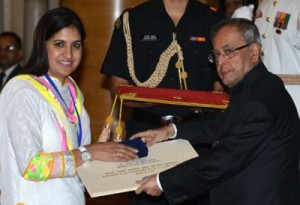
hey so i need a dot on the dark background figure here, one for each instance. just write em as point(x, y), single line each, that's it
point(11, 55)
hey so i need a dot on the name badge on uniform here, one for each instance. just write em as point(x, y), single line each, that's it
point(150, 37)
point(197, 38)
point(282, 20)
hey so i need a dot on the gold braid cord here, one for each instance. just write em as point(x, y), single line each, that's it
point(162, 65)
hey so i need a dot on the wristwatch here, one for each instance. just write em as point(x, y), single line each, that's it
point(85, 155)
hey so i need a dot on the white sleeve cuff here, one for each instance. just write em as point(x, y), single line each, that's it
point(158, 182)
point(175, 131)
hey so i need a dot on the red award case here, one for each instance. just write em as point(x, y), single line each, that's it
point(192, 98)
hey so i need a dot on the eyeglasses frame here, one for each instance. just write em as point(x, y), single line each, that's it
point(212, 56)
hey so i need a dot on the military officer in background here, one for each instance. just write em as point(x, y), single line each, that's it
point(162, 43)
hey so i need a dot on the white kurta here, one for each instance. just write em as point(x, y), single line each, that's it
point(27, 126)
point(281, 46)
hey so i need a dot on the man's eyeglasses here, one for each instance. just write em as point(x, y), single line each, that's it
point(228, 53)
point(8, 48)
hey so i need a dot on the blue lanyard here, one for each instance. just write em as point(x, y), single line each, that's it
point(79, 133)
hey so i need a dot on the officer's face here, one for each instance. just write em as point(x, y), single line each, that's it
point(234, 57)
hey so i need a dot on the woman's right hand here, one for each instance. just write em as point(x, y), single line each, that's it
point(112, 152)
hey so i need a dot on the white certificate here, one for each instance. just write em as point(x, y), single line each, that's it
point(106, 178)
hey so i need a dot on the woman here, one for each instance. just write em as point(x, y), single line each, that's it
point(44, 127)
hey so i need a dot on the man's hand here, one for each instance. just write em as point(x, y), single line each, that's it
point(149, 186)
point(150, 137)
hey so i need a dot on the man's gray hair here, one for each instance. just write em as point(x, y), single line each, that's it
point(247, 29)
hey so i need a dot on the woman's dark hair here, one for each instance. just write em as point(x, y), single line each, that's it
point(50, 23)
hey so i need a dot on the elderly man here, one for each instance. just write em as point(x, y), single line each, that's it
point(254, 157)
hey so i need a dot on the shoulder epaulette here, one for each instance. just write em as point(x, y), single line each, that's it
point(118, 21)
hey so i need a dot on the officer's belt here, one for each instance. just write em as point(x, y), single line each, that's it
point(290, 79)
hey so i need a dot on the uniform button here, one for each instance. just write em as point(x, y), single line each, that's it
point(275, 2)
point(268, 19)
point(264, 36)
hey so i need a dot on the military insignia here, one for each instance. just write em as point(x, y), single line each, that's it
point(197, 38)
point(282, 20)
point(117, 23)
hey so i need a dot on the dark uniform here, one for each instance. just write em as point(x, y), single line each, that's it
point(152, 32)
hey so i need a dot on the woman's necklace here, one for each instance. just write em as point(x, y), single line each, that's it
point(66, 109)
